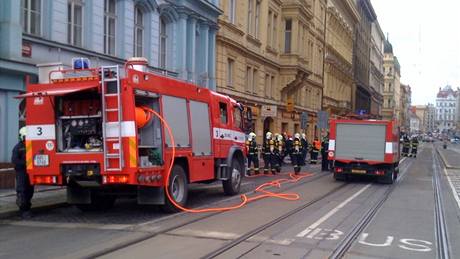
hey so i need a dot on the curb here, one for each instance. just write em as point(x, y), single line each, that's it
point(444, 160)
point(39, 208)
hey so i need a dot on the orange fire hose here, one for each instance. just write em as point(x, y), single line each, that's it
point(244, 198)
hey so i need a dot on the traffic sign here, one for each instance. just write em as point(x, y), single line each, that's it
point(323, 120)
point(304, 120)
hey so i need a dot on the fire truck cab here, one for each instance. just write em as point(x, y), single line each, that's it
point(94, 130)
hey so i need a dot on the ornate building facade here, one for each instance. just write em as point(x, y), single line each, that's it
point(361, 56)
point(269, 57)
point(392, 88)
point(338, 75)
point(406, 101)
point(376, 79)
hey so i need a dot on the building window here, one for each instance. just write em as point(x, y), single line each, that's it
point(230, 65)
point(109, 26)
point(163, 39)
point(287, 36)
point(138, 32)
point(232, 11)
point(274, 34)
point(267, 85)
point(256, 20)
point(75, 22)
point(250, 13)
point(255, 81)
point(248, 79)
point(269, 27)
point(31, 16)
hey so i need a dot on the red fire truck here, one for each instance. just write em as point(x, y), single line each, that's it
point(93, 130)
point(364, 147)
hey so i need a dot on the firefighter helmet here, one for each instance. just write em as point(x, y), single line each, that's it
point(268, 135)
point(297, 135)
point(22, 133)
point(252, 136)
point(279, 137)
point(304, 136)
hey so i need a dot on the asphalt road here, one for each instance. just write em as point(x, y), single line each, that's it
point(314, 226)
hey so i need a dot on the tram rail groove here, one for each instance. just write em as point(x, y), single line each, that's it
point(259, 229)
point(442, 238)
point(148, 236)
point(344, 245)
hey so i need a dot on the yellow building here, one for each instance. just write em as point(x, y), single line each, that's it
point(392, 88)
point(269, 57)
point(338, 78)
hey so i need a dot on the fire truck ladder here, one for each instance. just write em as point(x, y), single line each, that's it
point(111, 74)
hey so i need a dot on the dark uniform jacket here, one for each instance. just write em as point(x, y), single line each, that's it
point(18, 157)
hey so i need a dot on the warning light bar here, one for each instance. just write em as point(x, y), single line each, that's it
point(44, 179)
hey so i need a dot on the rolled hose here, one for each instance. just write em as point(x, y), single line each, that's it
point(244, 198)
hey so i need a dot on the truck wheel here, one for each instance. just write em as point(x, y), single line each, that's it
point(98, 203)
point(388, 178)
point(339, 177)
point(233, 184)
point(178, 189)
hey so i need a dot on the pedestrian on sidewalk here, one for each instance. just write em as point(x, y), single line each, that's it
point(24, 190)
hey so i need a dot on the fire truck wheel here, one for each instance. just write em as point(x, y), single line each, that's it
point(389, 177)
point(178, 189)
point(98, 203)
point(232, 185)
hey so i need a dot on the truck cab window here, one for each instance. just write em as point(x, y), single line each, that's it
point(223, 113)
point(238, 117)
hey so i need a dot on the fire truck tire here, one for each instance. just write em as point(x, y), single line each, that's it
point(339, 177)
point(178, 189)
point(233, 184)
point(389, 177)
point(98, 203)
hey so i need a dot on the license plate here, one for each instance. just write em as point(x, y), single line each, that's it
point(358, 171)
point(41, 160)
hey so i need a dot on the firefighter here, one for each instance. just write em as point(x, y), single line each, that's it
point(314, 151)
point(269, 154)
point(297, 153)
point(24, 190)
point(253, 154)
point(324, 151)
point(279, 151)
point(406, 146)
point(288, 147)
point(414, 146)
point(304, 142)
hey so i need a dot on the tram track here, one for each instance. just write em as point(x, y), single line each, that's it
point(442, 238)
point(151, 235)
point(343, 246)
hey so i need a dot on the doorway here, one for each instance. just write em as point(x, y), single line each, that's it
point(268, 125)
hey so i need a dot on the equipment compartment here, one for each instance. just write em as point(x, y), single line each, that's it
point(79, 122)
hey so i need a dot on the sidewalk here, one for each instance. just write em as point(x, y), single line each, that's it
point(450, 157)
point(44, 198)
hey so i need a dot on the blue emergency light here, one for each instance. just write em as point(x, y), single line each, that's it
point(80, 63)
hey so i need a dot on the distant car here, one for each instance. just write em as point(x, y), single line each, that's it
point(455, 140)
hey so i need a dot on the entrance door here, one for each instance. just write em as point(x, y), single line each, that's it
point(268, 125)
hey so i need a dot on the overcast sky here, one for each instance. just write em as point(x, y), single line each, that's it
point(426, 39)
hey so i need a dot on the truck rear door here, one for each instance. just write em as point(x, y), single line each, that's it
point(360, 142)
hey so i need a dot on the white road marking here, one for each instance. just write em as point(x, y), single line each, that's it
point(418, 247)
point(206, 234)
point(452, 187)
point(363, 237)
point(332, 212)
